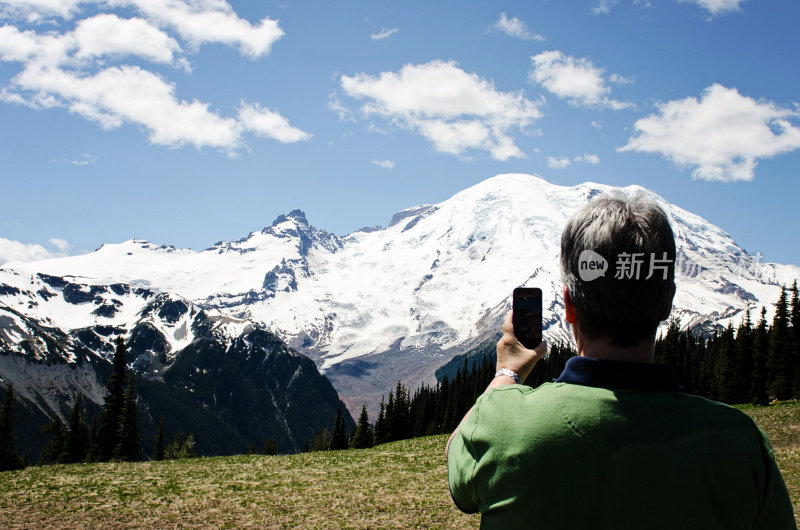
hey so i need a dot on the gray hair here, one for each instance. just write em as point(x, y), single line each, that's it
point(619, 306)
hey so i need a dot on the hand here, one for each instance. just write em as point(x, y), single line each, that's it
point(513, 355)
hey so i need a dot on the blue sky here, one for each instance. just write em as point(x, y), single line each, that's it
point(186, 122)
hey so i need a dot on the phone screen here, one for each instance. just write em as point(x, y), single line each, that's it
point(527, 315)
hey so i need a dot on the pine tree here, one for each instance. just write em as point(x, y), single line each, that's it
point(321, 441)
point(339, 438)
point(8, 451)
point(362, 438)
point(388, 418)
point(794, 318)
point(780, 365)
point(270, 447)
point(381, 430)
point(724, 370)
point(76, 442)
point(400, 425)
point(758, 376)
point(742, 361)
point(129, 447)
point(111, 415)
point(158, 451)
point(180, 447)
point(55, 445)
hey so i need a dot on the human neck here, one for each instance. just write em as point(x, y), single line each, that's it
point(641, 352)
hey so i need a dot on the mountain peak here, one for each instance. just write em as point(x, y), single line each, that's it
point(298, 216)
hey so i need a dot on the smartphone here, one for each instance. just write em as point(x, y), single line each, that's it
point(526, 315)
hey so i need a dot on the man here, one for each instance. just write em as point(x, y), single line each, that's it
point(613, 443)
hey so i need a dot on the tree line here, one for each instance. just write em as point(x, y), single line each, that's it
point(434, 409)
point(113, 435)
point(753, 363)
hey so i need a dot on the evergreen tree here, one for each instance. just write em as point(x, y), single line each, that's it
point(76, 441)
point(158, 446)
point(321, 441)
point(758, 375)
point(108, 435)
point(187, 450)
point(388, 418)
point(780, 365)
point(794, 319)
point(180, 447)
point(742, 361)
point(400, 424)
point(91, 454)
point(362, 438)
point(339, 438)
point(8, 451)
point(724, 370)
point(381, 429)
point(55, 445)
point(270, 447)
point(129, 447)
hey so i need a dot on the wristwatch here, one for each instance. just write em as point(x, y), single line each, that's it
point(510, 373)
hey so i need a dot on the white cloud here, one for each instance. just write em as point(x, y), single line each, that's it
point(60, 244)
point(16, 251)
point(558, 163)
point(130, 94)
point(722, 135)
point(33, 10)
point(84, 160)
point(717, 7)
point(266, 123)
point(564, 162)
point(514, 27)
point(620, 80)
point(574, 79)
point(587, 159)
point(107, 34)
point(196, 21)
point(202, 21)
point(388, 164)
point(383, 34)
point(603, 7)
point(83, 70)
point(335, 104)
point(714, 7)
point(596, 124)
point(453, 109)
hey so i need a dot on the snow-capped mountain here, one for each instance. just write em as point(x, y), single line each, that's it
point(394, 303)
point(226, 379)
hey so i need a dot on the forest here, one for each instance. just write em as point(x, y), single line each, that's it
point(757, 362)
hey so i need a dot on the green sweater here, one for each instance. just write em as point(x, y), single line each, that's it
point(640, 455)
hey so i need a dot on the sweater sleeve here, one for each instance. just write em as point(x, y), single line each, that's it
point(460, 473)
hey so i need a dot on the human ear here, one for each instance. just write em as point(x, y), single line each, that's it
point(569, 307)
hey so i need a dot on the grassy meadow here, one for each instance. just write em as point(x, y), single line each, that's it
point(397, 485)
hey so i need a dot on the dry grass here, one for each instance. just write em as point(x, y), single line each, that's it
point(402, 484)
point(781, 422)
point(399, 485)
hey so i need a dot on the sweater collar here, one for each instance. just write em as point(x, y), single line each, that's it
point(619, 375)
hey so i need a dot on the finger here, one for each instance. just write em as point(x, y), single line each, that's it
point(541, 349)
point(508, 325)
